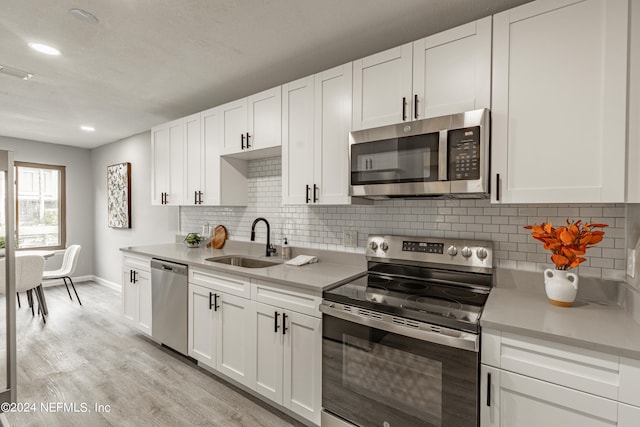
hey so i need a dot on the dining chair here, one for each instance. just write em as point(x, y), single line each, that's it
point(29, 270)
point(68, 267)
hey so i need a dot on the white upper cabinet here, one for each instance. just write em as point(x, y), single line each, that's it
point(251, 126)
point(224, 180)
point(559, 102)
point(234, 126)
point(452, 71)
point(447, 73)
point(382, 88)
point(194, 160)
point(297, 141)
point(332, 100)
point(264, 118)
point(167, 168)
point(316, 119)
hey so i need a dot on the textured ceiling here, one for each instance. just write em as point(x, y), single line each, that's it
point(149, 61)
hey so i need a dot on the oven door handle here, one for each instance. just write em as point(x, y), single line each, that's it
point(464, 340)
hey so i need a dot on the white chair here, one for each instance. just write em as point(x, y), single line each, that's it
point(69, 263)
point(29, 270)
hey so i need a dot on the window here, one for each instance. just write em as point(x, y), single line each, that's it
point(40, 206)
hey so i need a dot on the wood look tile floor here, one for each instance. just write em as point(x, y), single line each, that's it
point(86, 356)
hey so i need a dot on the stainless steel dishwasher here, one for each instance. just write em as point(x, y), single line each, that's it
point(169, 301)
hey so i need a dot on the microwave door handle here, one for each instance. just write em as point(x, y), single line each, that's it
point(442, 156)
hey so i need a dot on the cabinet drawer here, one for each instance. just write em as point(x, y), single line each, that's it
point(224, 282)
point(578, 368)
point(139, 262)
point(526, 402)
point(286, 297)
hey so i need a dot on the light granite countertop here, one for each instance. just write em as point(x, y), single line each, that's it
point(599, 320)
point(332, 268)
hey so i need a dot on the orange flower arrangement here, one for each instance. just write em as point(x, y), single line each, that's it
point(569, 243)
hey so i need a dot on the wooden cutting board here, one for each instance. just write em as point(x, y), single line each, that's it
point(219, 237)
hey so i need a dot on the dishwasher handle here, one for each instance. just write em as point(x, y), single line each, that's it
point(168, 266)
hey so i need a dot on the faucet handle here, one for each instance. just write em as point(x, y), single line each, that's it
point(271, 249)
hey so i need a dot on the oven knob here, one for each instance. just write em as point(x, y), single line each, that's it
point(373, 246)
point(466, 252)
point(452, 250)
point(384, 246)
point(482, 253)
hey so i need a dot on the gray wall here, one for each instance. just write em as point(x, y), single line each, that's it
point(79, 192)
point(149, 224)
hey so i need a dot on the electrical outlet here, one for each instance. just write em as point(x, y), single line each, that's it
point(631, 263)
point(350, 238)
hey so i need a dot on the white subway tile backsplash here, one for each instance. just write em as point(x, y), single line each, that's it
point(321, 227)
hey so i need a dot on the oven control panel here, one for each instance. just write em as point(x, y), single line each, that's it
point(425, 247)
point(455, 252)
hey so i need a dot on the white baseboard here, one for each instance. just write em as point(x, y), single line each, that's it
point(56, 282)
point(87, 278)
point(107, 283)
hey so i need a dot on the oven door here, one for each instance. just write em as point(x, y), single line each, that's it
point(373, 377)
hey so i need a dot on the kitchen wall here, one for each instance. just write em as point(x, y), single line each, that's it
point(149, 224)
point(321, 227)
point(79, 192)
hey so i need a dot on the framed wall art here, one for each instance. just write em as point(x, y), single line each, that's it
point(119, 195)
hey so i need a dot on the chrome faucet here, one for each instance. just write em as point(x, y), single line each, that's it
point(270, 248)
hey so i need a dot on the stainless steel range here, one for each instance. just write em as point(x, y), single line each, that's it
point(401, 343)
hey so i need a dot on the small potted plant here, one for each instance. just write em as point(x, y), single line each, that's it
point(193, 240)
point(568, 245)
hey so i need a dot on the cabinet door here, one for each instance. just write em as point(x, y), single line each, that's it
point(201, 340)
point(143, 282)
point(176, 189)
point(332, 125)
point(211, 131)
point(526, 402)
point(452, 71)
point(559, 102)
point(159, 163)
point(264, 119)
point(234, 126)
point(194, 159)
point(303, 365)
point(136, 298)
point(297, 142)
point(382, 88)
point(129, 297)
point(236, 338)
point(269, 351)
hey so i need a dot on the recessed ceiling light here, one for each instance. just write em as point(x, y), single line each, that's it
point(15, 72)
point(43, 48)
point(87, 128)
point(83, 16)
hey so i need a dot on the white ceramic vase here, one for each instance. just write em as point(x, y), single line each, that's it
point(561, 287)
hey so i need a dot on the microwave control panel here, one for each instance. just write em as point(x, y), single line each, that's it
point(464, 154)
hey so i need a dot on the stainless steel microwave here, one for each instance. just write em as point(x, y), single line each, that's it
point(445, 156)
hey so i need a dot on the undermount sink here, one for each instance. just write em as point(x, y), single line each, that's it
point(242, 261)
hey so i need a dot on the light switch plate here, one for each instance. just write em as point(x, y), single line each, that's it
point(350, 238)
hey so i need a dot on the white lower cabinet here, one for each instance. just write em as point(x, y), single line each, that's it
point(517, 400)
point(136, 292)
point(529, 382)
point(263, 335)
point(220, 332)
point(288, 352)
